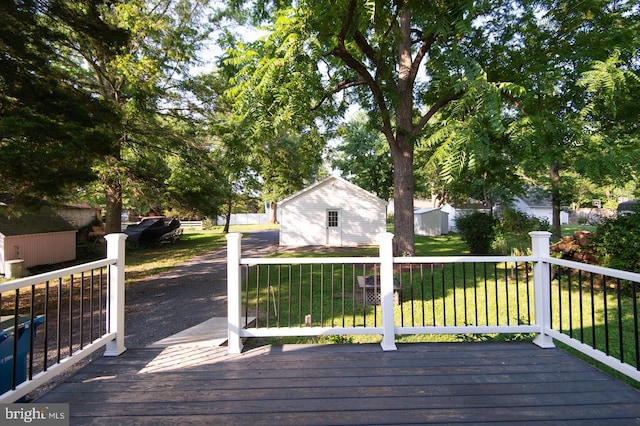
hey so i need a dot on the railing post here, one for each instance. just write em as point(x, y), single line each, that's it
point(115, 302)
point(542, 290)
point(386, 291)
point(234, 305)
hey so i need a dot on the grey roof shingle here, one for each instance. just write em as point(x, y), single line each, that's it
point(22, 221)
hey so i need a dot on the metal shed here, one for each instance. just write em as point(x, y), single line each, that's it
point(430, 222)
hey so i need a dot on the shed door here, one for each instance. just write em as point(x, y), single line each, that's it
point(334, 227)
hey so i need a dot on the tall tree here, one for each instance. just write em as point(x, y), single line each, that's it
point(141, 81)
point(282, 136)
point(51, 131)
point(403, 62)
point(613, 113)
point(363, 157)
point(228, 140)
point(546, 50)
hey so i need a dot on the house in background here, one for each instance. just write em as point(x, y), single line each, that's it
point(332, 212)
point(538, 204)
point(80, 215)
point(37, 237)
point(430, 222)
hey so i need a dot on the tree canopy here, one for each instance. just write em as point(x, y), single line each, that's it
point(108, 102)
point(403, 63)
point(51, 130)
point(362, 156)
point(457, 75)
point(470, 98)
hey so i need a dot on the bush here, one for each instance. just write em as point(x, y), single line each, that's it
point(513, 231)
point(478, 230)
point(519, 222)
point(617, 242)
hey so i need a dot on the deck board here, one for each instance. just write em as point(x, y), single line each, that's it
point(347, 384)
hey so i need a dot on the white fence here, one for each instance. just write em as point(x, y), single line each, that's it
point(80, 310)
point(236, 219)
point(589, 308)
point(244, 219)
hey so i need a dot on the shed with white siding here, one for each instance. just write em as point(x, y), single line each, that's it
point(332, 212)
point(38, 237)
point(430, 222)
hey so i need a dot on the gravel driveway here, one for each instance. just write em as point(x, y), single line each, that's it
point(172, 301)
point(186, 295)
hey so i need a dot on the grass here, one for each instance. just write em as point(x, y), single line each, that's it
point(429, 295)
point(568, 230)
point(142, 262)
point(598, 311)
point(282, 296)
point(444, 245)
point(328, 299)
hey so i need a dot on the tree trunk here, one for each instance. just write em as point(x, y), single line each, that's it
point(113, 192)
point(227, 221)
point(402, 147)
point(403, 186)
point(554, 174)
point(273, 212)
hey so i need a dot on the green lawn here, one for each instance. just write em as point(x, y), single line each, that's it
point(142, 262)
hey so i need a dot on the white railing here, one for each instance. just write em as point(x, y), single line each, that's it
point(607, 331)
point(80, 309)
point(539, 299)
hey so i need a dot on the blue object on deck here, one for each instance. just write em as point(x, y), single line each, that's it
point(7, 338)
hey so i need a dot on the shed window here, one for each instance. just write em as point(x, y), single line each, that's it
point(332, 218)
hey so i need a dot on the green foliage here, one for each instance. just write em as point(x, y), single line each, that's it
point(51, 128)
point(617, 242)
point(551, 127)
point(519, 222)
point(337, 339)
point(403, 63)
point(363, 157)
point(478, 230)
point(512, 231)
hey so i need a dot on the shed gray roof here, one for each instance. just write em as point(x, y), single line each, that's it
point(22, 221)
point(353, 187)
point(537, 197)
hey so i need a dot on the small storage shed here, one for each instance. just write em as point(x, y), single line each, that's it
point(430, 221)
point(38, 237)
point(332, 212)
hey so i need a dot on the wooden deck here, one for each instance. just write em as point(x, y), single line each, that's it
point(346, 384)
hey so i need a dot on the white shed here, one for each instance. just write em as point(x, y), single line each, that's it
point(332, 212)
point(430, 221)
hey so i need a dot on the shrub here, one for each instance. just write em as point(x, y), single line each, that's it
point(617, 242)
point(513, 231)
point(519, 222)
point(478, 230)
point(208, 224)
